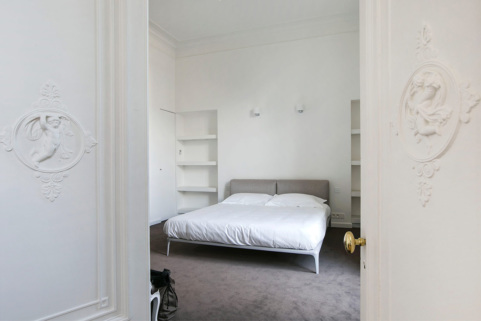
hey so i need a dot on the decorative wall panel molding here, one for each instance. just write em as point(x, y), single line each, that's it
point(106, 258)
point(48, 140)
point(433, 105)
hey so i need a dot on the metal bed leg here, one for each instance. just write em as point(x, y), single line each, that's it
point(316, 262)
point(168, 247)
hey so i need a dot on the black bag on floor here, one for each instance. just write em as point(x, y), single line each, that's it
point(162, 282)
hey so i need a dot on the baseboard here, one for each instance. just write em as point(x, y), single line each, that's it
point(154, 222)
point(341, 224)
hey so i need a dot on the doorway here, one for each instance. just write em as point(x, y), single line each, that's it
point(249, 61)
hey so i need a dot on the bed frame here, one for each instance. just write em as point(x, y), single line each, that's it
point(319, 188)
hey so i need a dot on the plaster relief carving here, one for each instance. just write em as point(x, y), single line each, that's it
point(90, 142)
point(51, 188)
point(424, 188)
point(427, 170)
point(433, 105)
point(5, 138)
point(104, 302)
point(429, 112)
point(425, 50)
point(469, 100)
point(48, 140)
point(49, 97)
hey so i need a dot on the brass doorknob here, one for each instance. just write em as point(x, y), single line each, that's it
point(350, 242)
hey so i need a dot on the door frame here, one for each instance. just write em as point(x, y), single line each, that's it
point(374, 15)
point(130, 98)
point(374, 32)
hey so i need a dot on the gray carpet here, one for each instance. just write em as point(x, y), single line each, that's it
point(224, 284)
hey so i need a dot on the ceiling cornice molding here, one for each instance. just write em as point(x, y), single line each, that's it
point(162, 35)
point(305, 29)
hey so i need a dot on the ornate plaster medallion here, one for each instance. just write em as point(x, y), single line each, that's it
point(429, 113)
point(48, 140)
point(432, 107)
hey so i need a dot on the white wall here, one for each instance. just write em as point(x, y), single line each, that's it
point(321, 73)
point(161, 73)
point(83, 255)
point(162, 189)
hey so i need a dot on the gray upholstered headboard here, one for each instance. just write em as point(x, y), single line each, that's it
point(263, 186)
point(319, 188)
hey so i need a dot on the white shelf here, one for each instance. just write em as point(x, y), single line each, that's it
point(197, 137)
point(197, 160)
point(204, 189)
point(187, 210)
point(197, 163)
point(355, 162)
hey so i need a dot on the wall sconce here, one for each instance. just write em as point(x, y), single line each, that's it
point(256, 112)
point(300, 108)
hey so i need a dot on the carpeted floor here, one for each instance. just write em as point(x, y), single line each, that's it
point(224, 284)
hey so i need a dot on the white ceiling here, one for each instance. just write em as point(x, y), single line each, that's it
point(193, 19)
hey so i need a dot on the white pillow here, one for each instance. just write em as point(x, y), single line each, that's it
point(296, 200)
point(248, 199)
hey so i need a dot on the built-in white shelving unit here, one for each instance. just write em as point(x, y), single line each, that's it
point(197, 174)
point(355, 163)
point(198, 163)
point(204, 189)
point(197, 137)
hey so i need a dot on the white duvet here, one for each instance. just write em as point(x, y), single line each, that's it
point(279, 227)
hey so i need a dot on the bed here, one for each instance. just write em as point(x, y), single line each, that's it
point(265, 215)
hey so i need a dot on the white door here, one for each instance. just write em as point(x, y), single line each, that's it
point(73, 160)
point(421, 89)
point(162, 192)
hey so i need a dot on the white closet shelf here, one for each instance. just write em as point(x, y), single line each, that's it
point(356, 193)
point(204, 189)
point(186, 210)
point(355, 162)
point(197, 163)
point(197, 137)
point(355, 131)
